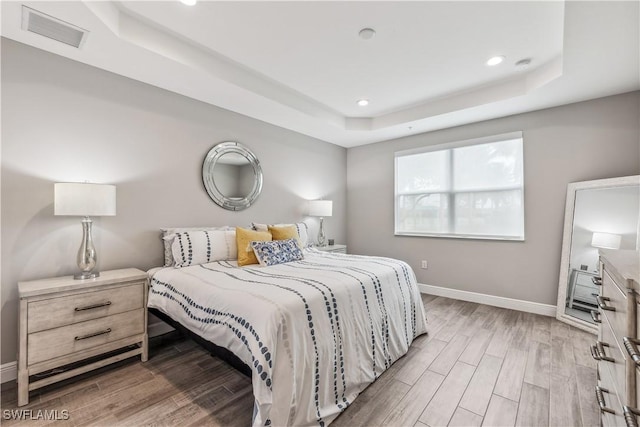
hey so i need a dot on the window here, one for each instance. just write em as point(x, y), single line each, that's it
point(471, 189)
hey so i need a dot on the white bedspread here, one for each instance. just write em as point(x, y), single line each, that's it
point(315, 332)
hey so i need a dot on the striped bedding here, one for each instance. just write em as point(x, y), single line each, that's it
point(315, 332)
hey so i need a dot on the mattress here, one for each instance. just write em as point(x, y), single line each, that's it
point(315, 332)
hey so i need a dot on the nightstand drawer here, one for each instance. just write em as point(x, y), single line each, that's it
point(61, 311)
point(585, 294)
point(52, 343)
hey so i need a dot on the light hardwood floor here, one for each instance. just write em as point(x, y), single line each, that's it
point(479, 365)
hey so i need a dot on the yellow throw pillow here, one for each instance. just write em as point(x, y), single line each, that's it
point(244, 238)
point(284, 232)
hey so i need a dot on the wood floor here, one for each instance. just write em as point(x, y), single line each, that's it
point(479, 365)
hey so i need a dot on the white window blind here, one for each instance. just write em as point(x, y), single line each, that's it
point(469, 189)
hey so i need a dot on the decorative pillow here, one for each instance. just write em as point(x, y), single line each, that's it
point(285, 233)
point(301, 228)
point(200, 247)
point(169, 234)
point(244, 237)
point(277, 251)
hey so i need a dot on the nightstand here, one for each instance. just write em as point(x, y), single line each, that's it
point(342, 249)
point(582, 289)
point(65, 321)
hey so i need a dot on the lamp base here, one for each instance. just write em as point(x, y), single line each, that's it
point(84, 276)
point(87, 257)
point(322, 239)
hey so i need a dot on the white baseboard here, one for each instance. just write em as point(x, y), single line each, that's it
point(8, 372)
point(513, 304)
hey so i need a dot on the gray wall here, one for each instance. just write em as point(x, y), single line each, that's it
point(584, 141)
point(65, 121)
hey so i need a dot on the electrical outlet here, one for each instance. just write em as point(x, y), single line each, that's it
point(423, 264)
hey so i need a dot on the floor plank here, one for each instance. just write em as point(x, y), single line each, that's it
point(413, 403)
point(533, 410)
point(419, 362)
point(378, 407)
point(509, 383)
point(562, 360)
point(477, 346)
point(542, 329)
point(586, 378)
point(448, 357)
point(477, 396)
point(501, 412)
point(464, 418)
point(442, 406)
point(581, 341)
point(538, 368)
point(564, 407)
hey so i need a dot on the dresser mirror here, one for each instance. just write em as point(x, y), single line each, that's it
point(232, 176)
point(599, 214)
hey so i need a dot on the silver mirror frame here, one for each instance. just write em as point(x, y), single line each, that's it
point(212, 157)
point(567, 236)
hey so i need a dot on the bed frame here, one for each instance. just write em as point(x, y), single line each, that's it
point(215, 350)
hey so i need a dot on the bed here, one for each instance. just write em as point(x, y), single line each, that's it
point(314, 332)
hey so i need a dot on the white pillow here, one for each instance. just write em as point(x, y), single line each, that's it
point(201, 247)
point(169, 234)
point(303, 230)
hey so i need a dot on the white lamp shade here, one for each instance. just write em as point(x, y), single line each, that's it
point(606, 240)
point(83, 199)
point(321, 208)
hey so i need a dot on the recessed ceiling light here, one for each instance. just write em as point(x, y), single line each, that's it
point(363, 102)
point(495, 60)
point(523, 63)
point(189, 2)
point(367, 33)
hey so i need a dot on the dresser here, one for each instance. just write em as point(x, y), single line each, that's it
point(583, 290)
point(68, 327)
point(616, 349)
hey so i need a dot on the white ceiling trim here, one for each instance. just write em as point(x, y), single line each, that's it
point(598, 55)
point(140, 32)
point(137, 31)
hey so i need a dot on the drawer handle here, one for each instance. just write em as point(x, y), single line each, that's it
point(597, 352)
point(596, 281)
point(630, 416)
point(600, 397)
point(95, 334)
point(91, 307)
point(594, 352)
point(602, 303)
point(632, 348)
point(595, 316)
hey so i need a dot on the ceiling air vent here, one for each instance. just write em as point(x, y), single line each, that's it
point(48, 26)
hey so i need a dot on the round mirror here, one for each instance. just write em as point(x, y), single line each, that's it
point(232, 176)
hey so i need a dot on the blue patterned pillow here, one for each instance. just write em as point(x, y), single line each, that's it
point(277, 251)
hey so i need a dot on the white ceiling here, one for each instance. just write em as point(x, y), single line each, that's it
point(302, 66)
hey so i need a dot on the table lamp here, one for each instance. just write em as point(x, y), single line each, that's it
point(321, 208)
point(85, 200)
point(606, 240)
